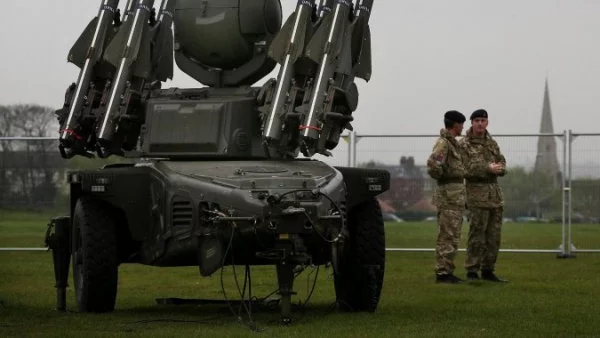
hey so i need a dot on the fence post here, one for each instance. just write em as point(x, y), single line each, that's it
point(570, 194)
point(352, 149)
point(348, 140)
point(566, 196)
point(563, 247)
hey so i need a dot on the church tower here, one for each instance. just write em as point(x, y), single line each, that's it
point(546, 158)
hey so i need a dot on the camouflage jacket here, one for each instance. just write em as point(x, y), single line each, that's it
point(483, 190)
point(445, 165)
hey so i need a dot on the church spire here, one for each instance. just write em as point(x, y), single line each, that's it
point(546, 159)
point(546, 123)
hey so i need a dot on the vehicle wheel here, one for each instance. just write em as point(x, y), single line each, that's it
point(359, 280)
point(95, 264)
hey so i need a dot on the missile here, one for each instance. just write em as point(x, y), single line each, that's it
point(162, 57)
point(325, 8)
point(324, 48)
point(362, 33)
point(354, 61)
point(73, 138)
point(137, 39)
point(286, 48)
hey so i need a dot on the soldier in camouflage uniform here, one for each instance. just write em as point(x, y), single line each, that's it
point(445, 165)
point(484, 163)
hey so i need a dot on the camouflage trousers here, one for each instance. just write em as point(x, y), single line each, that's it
point(448, 238)
point(484, 238)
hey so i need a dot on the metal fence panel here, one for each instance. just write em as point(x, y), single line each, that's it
point(532, 195)
point(585, 191)
point(564, 189)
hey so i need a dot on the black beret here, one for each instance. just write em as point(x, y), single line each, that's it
point(454, 116)
point(479, 113)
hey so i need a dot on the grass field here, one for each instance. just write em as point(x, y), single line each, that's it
point(546, 296)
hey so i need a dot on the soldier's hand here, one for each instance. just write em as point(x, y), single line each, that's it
point(495, 168)
point(499, 168)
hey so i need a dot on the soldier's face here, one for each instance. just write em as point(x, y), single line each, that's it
point(458, 127)
point(479, 124)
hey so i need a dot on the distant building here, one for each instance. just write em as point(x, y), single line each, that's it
point(546, 159)
point(407, 183)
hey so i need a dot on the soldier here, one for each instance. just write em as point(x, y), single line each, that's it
point(445, 165)
point(484, 163)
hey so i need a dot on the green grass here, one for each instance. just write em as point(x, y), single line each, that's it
point(23, 229)
point(27, 229)
point(545, 297)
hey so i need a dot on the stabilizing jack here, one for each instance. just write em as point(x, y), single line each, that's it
point(58, 239)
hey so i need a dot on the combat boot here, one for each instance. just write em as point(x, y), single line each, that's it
point(447, 279)
point(490, 276)
point(471, 275)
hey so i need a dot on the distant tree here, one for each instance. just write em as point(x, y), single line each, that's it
point(586, 198)
point(530, 193)
point(28, 169)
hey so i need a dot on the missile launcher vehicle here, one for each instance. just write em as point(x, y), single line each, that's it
point(222, 174)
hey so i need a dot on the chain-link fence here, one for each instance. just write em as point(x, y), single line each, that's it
point(585, 191)
point(553, 179)
point(31, 172)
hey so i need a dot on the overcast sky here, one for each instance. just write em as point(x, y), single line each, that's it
point(428, 56)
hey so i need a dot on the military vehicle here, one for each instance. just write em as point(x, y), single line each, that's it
point(222, 174)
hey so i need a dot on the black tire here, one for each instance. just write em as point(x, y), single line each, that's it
point(95, 259)
point(359, 280)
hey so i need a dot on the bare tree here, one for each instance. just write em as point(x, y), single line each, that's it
point(28, 168)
